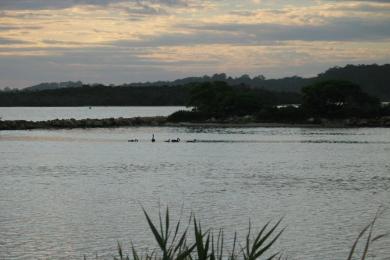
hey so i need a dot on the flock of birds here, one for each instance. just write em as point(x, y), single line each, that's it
point(176, 140)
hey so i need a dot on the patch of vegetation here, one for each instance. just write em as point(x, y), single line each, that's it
point(338, 99)
point(220, 100)
point(174, 242)
point(133, 95)
point(286, 114)
point(187, 116)
point(331, 99)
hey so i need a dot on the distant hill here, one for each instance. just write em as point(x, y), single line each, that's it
point(101, 95)
point(374, 79)
point(55, 85)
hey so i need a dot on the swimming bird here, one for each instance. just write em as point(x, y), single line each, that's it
point(153, 140)
point(175, 140)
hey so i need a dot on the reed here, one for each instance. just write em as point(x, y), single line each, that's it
point(176, 243)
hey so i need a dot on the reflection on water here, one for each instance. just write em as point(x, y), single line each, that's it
point(66, 193)
point(50, 113)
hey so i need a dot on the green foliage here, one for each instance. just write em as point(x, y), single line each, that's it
point(211, 97)
point(370, 239)
point(218, 99)
point(336, 98)
point(373, 79)
point(187, 116)
point(288, 114)
point(385, 111)
point(99, 96)
point(174, 242)
point(128, 95)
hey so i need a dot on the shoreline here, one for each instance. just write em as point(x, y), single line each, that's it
point(161, 121)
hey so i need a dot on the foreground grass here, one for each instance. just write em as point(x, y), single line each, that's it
point(174, 242)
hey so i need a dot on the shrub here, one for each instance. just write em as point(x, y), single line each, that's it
point(187, 116)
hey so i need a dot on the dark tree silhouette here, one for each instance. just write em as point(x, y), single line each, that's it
point(335, 98)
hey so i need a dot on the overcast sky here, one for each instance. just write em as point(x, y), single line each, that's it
point(118, 41)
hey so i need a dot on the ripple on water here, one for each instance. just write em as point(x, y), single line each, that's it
point(63, 194)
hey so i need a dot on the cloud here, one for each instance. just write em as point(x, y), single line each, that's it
point(13, 27)
point(339, 29)
point(7, 41)
point(135, 40)
point(372, 1)
point(60, 4)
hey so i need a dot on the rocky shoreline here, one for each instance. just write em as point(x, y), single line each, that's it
point(82, 123)
point(162, 121)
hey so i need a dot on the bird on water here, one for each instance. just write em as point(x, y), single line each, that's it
point(153, 140)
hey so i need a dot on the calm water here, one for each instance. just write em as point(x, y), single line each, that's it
point(49, 113)
point(66, 193)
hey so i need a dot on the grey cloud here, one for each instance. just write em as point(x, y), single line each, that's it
point(243, 13)
point(60, 4)
point(12, 27)
point(342, 29)
point(142, 9)
point(180, 39)
point(4, 41)
point(378, 1)
point(365, 6)
point(56, 42)
point(109, 66)
point(345, 29)
point(98, 64)
point(252, 13)
point(263, 34)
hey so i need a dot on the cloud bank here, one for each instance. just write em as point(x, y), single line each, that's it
point(116, 41)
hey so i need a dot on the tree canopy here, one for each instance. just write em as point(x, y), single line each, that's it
point(220, 99)
point(336, 98)
point(101, 95)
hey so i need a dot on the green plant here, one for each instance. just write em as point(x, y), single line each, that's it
point(371, 238)
point(174, 242)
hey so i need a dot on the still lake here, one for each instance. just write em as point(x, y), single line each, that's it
point(66, 193)
point(50, 113)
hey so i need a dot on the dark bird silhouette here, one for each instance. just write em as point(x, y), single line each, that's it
point(153, 140)
point(175, 140)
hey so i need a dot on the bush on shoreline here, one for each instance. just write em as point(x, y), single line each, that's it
point(187, 116)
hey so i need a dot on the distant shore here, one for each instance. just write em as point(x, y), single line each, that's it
point(162, 121)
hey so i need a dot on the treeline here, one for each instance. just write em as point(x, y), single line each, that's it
point(55, 85)
point(101, 95)
point(373, 79)
point(331, 99)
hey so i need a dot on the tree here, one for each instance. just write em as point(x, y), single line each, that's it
point(219, 77)
point(218, 99)
point(211, 97)
point(336, 98)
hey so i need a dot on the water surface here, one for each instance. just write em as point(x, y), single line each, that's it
point(66, 193)
point(50, 113)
